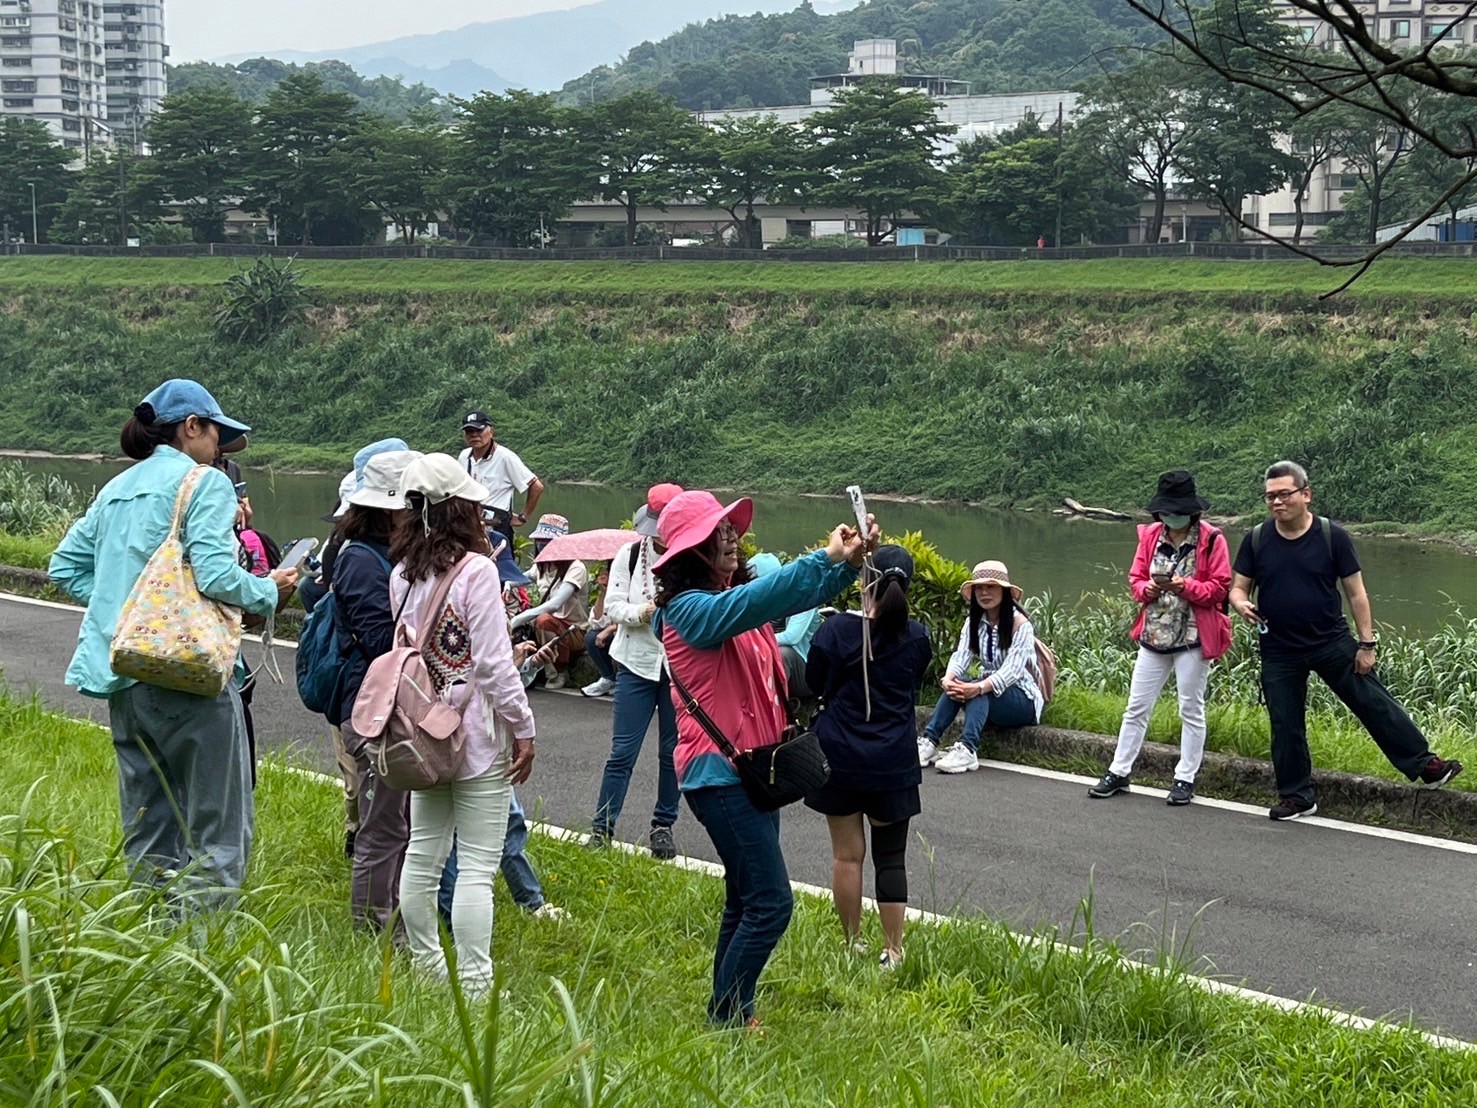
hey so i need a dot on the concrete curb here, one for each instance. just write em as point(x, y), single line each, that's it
point(1346, 796)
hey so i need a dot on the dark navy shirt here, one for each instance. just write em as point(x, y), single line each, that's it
point(880, 753)
point(1297, 586)
point(361, 590)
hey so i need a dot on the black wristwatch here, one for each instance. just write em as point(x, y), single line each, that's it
point(1372, 644)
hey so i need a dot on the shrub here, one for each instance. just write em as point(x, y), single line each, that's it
point(261, 302)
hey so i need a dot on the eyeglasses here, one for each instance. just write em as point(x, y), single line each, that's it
point(726, 530)
point(1283, 494)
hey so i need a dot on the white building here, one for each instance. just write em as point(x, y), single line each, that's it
point(972, 115)
point(52, 67)
point(136, 55)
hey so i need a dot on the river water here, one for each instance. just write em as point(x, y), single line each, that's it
point(1413, 585)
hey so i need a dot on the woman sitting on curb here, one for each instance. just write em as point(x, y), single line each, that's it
point(991, 674)
point(563, 589)
point(1181, 576)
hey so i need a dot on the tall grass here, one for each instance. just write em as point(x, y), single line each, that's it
point(104, 1000)
point(35, 512)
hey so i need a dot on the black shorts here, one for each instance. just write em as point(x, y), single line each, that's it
point(881, 805)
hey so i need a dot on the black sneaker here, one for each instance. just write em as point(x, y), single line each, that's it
point(663, 846)
point(1181, 792)
point(1293, 807)
point(599, 839)
point(1438, 772)
point(1111, 783)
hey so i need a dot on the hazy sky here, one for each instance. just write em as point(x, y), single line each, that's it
point(197, 29)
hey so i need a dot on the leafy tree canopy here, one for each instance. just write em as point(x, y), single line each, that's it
point(254, 79)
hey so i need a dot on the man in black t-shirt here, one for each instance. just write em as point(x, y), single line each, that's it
point(1296, 561)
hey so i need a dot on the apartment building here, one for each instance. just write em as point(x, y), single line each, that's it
point(1404, 24)
point(53, 68)
point(136, 54)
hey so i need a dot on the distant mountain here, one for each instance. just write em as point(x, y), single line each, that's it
point(767, 59)
point(539, 52)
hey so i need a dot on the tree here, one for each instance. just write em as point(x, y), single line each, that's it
point(107, 203)
point(401, 170)
point(1312, 143)
point(1134, 116)
point(201, 141)
point(517, 161)
point(1357, 68)
point(303, 172)
point(1428, 173)
point(29, 155)
point(746, 161)
point(642, 146)
point(1008, 191)
point(878, 150)
point(1231, 148)
point(1371, 154)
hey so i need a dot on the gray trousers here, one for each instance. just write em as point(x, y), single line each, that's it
point(184, 787)
point(379, 844)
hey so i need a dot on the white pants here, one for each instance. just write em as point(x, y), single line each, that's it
point(1150, 672)
point(476, 811)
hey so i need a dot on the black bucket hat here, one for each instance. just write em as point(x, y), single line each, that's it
point(1177, 496)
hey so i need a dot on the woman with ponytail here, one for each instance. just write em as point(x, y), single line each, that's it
point(867, 730)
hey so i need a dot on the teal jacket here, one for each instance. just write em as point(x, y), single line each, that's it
point(100, 559)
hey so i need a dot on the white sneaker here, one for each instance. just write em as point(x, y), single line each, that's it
point(556, 679)
point(958, 759)
point(548, 911)
point(928, 751)
point(603, 687)
point(891, 959)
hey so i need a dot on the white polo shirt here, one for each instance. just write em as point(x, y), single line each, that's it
point(502, 473)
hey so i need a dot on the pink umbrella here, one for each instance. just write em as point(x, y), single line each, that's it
point(599, 545)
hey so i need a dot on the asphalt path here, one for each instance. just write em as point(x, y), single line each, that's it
point(1374, 925)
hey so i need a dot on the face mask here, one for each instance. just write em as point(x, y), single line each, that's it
point(1174, 523)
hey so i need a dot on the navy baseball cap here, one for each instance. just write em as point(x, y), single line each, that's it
point(178, 399)
point(477, 421)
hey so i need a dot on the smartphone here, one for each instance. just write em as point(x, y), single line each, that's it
point(1162, 578)
point(296, 551)
point(859, 506)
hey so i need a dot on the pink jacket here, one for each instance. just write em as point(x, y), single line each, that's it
point(1206, 591)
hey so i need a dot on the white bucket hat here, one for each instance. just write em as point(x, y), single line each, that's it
point(380, 486)
point(439, 477)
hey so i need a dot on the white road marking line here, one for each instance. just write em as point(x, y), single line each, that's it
point(1259, 811)
point(933, 919)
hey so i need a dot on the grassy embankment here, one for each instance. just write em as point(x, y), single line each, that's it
point(284, 1004)
point(1010, 383)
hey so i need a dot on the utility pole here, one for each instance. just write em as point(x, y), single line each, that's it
point(1057, 241)
point(35, 238)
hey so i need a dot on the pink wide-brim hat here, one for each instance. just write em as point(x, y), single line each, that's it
point(690, 518)
point(989, 573)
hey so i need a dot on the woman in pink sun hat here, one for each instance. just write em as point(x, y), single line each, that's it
point(714, 623)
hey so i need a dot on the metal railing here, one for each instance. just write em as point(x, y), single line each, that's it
point(1209, 251)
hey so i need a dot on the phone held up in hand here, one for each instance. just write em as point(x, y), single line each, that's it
point(859, 506)
point(296, 551)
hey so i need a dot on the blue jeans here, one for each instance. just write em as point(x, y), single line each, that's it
point(1012, 708)
point(757, 909)
point(523, 883)
point(636, 699)
point(600, 655)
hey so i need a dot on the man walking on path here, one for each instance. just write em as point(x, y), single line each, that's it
point(1296, 561)
point(501, 472)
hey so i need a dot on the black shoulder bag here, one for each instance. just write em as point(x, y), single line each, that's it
point(774, 775)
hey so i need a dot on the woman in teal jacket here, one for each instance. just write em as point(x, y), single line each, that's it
point(184, 770)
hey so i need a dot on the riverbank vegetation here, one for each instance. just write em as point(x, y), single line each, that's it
point(1009, 384)
point(283, 1003)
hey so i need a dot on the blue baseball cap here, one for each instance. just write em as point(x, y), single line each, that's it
point(178, 399)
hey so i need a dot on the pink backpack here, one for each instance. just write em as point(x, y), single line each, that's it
point(414, 738)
